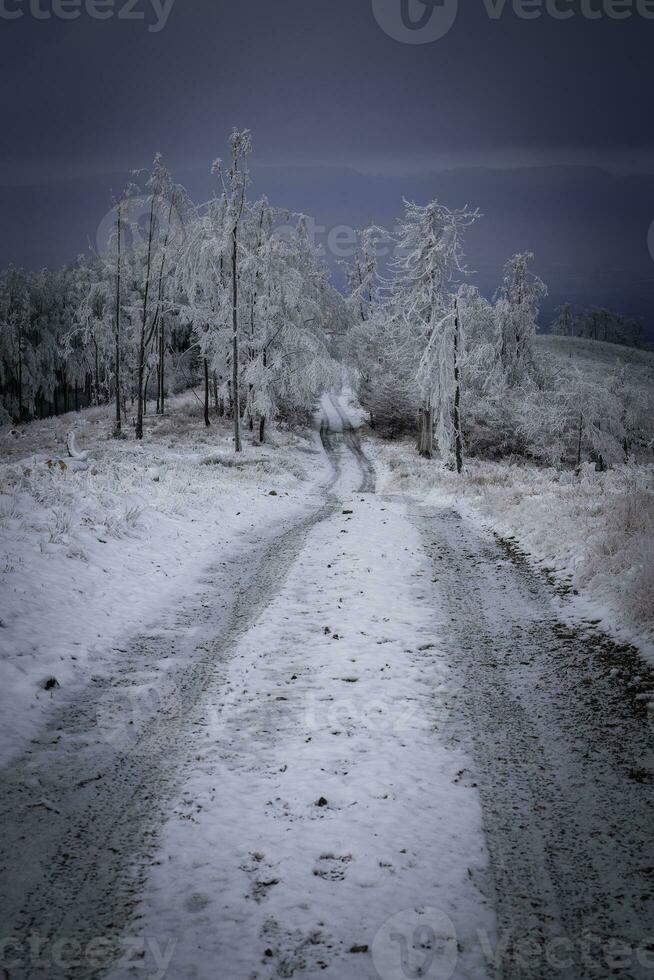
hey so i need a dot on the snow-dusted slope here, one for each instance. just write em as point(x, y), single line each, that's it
point(596, 354)
point(92, 554)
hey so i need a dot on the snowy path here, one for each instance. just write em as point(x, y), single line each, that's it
point(563, 757)
point(372, 735)
point(87, 798)
point(326, 827)
point(271, 714)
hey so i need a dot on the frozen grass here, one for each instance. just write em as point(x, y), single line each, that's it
point(594, 531)
point(91, 551)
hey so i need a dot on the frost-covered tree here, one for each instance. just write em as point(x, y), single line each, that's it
point(16, 353)
point(289, 362)
point(428, 263)
point(361, 273)
point(517, 309)
point(565, 322)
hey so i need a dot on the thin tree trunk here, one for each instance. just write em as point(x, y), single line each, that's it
point(20, 382)
point(96, 399)
point(579, 440)
point(458, 439)
point(207, 420)
point(262, 429)
point(235, 378)
point(118, 423)
point(426, 443)
point(162, 367)
point(144, 322)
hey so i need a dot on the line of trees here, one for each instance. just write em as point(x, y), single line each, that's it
point(597, 323)
point(435, 357)
point(231, 292)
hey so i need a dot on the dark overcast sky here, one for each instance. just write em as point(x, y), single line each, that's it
point(321, 84)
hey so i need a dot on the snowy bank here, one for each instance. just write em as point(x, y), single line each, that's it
point(594, 533)
point(92, 554)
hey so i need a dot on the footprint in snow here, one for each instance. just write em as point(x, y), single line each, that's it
point(332, 867)
point(197, 902)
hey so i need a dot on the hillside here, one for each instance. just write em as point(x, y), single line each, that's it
point(594, 355)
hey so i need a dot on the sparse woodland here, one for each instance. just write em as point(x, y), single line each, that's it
point(428, 346)
point(231, 292)
point(233, 298)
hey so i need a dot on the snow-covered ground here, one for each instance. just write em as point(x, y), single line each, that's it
point(292, 799)
point(326, 822)
point(598, 359)
point(594, 533)
point(312, 729)
point(93, 554)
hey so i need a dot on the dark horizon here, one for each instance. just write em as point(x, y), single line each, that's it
point(346, 119)
point(592, 250)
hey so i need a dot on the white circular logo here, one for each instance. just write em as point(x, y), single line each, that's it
point(137, 215)
point(415, 21)
point(416, 943)
point(121, 714)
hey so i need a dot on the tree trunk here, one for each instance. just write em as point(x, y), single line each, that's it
point(96, 399)
point(118, 423)
point(162, 367)
point(426, 443)
point(235, 378)
point(579, 440)
point(20, 384)
point(458, 438)
point(207, 421)
point(143, 340)
point(262, 429)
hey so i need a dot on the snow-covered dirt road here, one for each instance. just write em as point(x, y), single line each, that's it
point(261, 786)
point(556, 718)
point(325, 826)
point(372, 749)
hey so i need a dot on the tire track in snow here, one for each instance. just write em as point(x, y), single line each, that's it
point(564, 764)
point(80, 814)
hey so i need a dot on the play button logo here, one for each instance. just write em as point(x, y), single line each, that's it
point(415, 21)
